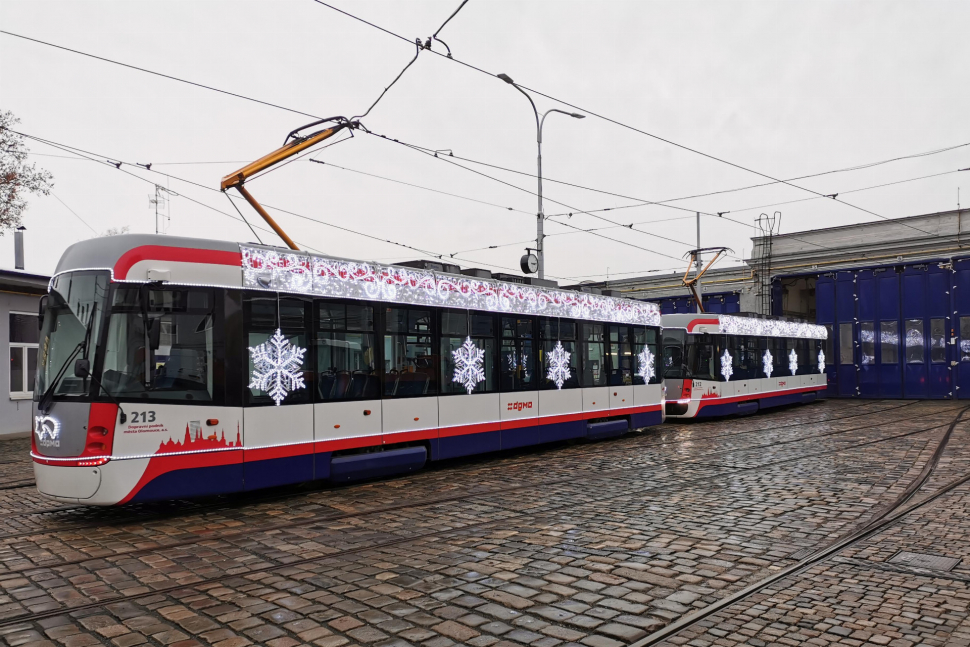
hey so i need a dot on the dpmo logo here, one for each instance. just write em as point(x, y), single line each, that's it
point(519, 406)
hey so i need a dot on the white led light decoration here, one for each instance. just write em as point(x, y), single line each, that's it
point(727, 366)
point(766, 361)
point(272, 269)
point(48, 431)
point(769, 327)
point(559, 365)
point(277, 367)
point(793, 361)
point(821, 361)
point(469, 362)
point(647, 365)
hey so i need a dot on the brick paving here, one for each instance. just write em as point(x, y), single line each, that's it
point(595, 544)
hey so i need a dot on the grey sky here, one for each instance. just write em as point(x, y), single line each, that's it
point(786, 88)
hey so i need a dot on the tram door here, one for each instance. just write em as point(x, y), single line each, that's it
point(960, 327)
point(925, 302)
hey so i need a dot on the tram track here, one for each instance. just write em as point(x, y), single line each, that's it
point(177, 511)
point(395, 541)
point(541, 451)
point(881, 519)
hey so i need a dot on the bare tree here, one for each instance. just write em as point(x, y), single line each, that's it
point(17, 178)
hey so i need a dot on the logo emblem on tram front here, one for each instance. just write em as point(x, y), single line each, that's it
point(48, 431)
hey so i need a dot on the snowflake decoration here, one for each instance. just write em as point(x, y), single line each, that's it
point(277, 367)
point(727, 368)
point(647, 365)
point(821, 361)
point(469, 361)
point(792, 361)
point(559, 365)
point(766, 362)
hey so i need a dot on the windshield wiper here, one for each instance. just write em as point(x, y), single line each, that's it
point(46, 400)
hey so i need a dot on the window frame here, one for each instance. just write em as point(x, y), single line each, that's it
point(316, 339)
point(381, 323)
point(489, 360)
point(27, 392)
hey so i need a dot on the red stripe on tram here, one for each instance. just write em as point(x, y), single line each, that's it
point(178, 254)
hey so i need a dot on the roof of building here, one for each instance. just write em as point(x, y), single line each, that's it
point(18, 281)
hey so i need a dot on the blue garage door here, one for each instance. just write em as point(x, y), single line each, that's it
point(880, 375)
point(960, 328)
point(925, 320)
point(825, 315)
point(846, 335)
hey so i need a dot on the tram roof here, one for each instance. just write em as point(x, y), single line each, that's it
point(196, 261)
point(750, 324)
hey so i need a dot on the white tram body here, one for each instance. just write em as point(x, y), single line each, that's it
point(719, 364)
point(178, 367)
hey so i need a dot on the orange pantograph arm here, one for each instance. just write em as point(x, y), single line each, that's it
point(236, 179)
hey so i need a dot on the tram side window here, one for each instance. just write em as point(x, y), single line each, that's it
point(346, 369)
point(914, 341)
point(409, 359)
point(262, 317)
point(937, 340)
point(807, 363)
point(517, 357)
point(700, 357)
point(779, 356)
point(621, 356)
point(457, 328)
point(552, 332)
point(965, 339)
point(594, 354)
point(646, 338)
point(161, 345)
point(889, 341)
point(846, 357)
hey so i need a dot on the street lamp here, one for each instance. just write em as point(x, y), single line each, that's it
point(539, 123)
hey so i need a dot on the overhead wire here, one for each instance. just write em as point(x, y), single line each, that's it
point(56, 197)
point(104, 160)
point(645, 203)
point(616, 122)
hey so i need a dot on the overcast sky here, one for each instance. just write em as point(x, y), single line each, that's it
point(784, 88)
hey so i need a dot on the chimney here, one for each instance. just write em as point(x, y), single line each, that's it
point(18, 248)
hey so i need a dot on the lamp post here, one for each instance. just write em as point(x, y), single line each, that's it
point(540, 121)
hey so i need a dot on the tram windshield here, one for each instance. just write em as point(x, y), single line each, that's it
point(70, 330)
point(160, 344)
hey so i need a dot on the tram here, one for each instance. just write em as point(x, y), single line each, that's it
point(718, 364)
point(177, 367)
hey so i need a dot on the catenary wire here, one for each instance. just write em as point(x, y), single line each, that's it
point(247, 98)
point(94, 157)
point(56, 197)
point(670, 142)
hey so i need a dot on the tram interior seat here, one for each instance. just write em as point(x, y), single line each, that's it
point(364, 385)
point(326, 385)
point(413, 384)
point(390, 382)
point(341, 385)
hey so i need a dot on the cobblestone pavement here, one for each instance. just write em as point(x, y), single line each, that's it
point(596, 544)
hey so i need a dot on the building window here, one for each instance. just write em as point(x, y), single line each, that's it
point(24, 335)
point(937, 340)
point(914, 341)
point(867, 338)
point(845, 344)
point(965, 339)
point(889, 341)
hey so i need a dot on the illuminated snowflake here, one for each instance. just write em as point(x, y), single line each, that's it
point(727, 368)
point(469, 361)
point(559, 365)
point(277, 367)
point(821, 361)
point(647, 365)
point(766, 362)
point(792, 361)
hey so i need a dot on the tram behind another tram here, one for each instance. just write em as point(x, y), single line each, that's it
point(176, 367)
point(717, 365)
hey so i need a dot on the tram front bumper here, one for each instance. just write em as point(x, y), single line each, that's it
point(65, 483)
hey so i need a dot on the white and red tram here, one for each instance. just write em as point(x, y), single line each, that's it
point(175, 367)
point(718, 364)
